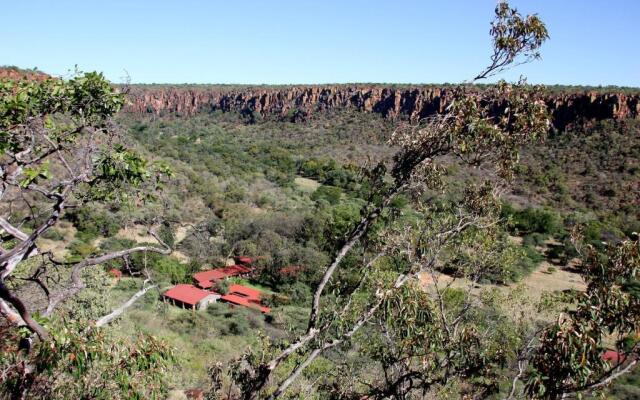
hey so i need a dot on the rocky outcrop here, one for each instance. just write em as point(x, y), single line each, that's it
point(590, 106)
point(391, 102)
point(15, 73)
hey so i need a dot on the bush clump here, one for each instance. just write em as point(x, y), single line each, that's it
point(532, 220)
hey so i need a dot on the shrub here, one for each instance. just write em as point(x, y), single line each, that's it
point(93, 223)
point(213, 225)
point(79, 249)
point(236, 322)
point(235, 193)
point(166, 234)
point(170, 269)
point(533, 239)
point(532, 220)
point(164, 267)
point(115, 244)
point(563, 252)
point(265, 200)
point(298, 292)
point(330, 194)
point(221, 286)
point(85, 363)
point(53, 234)
point(528, 260)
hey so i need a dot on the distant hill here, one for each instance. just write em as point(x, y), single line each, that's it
point(12, 72)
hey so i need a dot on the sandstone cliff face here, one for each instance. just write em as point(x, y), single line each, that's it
point(412, 103)
point(570, 108)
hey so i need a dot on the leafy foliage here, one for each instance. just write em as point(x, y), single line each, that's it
point(76, 363)
point(569, 357)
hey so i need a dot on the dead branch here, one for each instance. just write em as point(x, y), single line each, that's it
point(120, 310)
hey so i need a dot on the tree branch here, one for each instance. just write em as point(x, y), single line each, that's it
point(35, 327)
point(75, 281)
point(13, 317)
point(400, 281)
point(118, 311)
point(613, 375)
point(12, 230)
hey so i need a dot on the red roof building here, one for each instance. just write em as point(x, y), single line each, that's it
point(244, 260)
point(193, 297)
point(190, 296)
point(245, 302)
point(245, 296)
point(205, 279)
point(244, 291)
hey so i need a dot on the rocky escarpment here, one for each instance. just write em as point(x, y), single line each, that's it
point(391, 102)
point(15, 73)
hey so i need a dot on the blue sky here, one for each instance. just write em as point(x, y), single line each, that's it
point(593, 42)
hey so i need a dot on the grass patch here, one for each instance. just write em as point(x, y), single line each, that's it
point(306, 185)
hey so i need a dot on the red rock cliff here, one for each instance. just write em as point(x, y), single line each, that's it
point(14, 73)
point(390, 102)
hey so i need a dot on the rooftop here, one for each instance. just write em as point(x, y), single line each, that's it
point(244, 260)
point(244, 291)
point(244, 301)
point(205, 278)
point(187, 294)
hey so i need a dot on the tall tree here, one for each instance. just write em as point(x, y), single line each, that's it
point(59, 149)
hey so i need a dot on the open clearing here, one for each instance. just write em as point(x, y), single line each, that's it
point(306, 185)
point(540, 281)
point(59, 247)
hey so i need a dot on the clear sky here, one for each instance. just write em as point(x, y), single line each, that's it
point(594, 42)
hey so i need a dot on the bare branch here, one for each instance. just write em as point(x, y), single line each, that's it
point(118, 311)
point(7, 296)
point(614, 374)
point(12, 230)
point(13, 317)
point(400, 281)
point(76, 284)
point(360, 230)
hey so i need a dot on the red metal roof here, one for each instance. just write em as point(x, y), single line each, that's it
point(205, 284)
point(244, 260)
point(240, 268)
point(291, 270)
point(187, 294)
point(246, 302)
point(205, 278)
point(245, 292)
